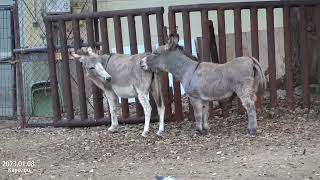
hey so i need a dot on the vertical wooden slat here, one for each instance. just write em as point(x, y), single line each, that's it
point(96, 92)
point(238, 32)
point(222, 51)
point(213, 46)
point(238, 44)
point(104, 35)
point(67, 91)
point(119, 48)
point(271, 58)
point(305, 57)
point(164, 75)
point(205, 35)
point(134, 50)
point(255, 43)
point(176, 84)
point(20, 90)
point(148, 48)
point(317, 20)
point(79, 70)
point(105, 46)
point(288, 57)
point(188, 49)
point(318, 37)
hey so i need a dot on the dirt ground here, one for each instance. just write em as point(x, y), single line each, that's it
point(287, 146)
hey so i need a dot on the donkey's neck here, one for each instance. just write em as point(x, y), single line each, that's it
point(180, 66)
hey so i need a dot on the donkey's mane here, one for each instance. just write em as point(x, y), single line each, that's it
point(180, 48)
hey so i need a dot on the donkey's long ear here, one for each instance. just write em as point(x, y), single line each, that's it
point(91, 52)
point(173, 41)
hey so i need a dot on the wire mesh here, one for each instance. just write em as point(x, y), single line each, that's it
point(35, 70)
point(7, 83)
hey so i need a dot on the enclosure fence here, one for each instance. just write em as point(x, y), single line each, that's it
point(52, 90)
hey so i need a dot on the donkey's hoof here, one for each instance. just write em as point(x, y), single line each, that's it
point(252, 132)
point(160, 133)
point(201, 131)
point(145, 134)
point(113, 129)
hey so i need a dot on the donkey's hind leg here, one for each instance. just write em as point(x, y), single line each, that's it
point(197, 105)
point(144, 100)
point(248, 104)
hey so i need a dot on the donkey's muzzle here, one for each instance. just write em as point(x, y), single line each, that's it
point(107, 79)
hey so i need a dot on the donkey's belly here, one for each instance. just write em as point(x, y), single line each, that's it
point(125, 91)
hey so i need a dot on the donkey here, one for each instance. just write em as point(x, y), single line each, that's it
point(205, 81)
point(121, 75)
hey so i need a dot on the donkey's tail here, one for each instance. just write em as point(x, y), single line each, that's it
point(259, 77)
point(156, 89)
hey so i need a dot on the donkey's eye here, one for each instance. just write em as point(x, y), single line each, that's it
point(91, 68)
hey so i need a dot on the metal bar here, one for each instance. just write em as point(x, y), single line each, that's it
point(176, 84)
point(108, 14)
point(318, 38)
point(119, 48)
point(164, 75)
point(222, 52)
point(205, 35)
point(134, 50)
point(271, 58)
point(241, 5)
point(188, 50)
point(238, 44)
point(67, 91)
point(305, 57)
point(255, 43)
point(96, 91)
point(79, 70)
point(288, 57)
point(20, 90)
point(14, 67)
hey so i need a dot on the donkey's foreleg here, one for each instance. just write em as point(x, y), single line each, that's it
point(144, 100)
point(113, 106)
point(248, 104)
point(198, 113)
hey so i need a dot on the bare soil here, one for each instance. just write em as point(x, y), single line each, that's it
point(287, 146)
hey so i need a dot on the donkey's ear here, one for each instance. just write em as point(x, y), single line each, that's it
point(90, 50)
point(173, 41)
point(175, 38)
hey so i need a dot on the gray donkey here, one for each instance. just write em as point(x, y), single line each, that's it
point(121, 75)
point(205, 81)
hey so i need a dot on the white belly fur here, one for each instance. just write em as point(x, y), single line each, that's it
point(125, 91)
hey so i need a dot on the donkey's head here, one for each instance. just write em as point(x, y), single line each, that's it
point(171, 44)
point(92, 65)
point(157, 61)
